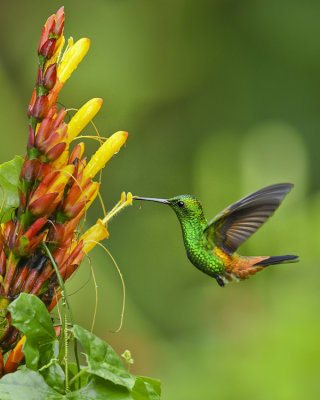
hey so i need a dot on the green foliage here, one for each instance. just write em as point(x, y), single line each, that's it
point(9, 181)
point(43, 376)
point(102, 359)
point(30, 316)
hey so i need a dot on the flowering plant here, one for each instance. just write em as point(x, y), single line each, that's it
point(44, 198)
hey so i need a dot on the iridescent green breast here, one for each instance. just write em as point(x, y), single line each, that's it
point(197, 248)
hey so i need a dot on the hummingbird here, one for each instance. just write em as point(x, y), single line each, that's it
point(211, 246)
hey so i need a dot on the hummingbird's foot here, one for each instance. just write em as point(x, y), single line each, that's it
point(227, 277)
point(220, 281)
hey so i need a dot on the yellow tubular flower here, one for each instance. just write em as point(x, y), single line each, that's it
point(99, 231)
point(109, 148)
point(71, 58)
point(92, 194)
point(93, 235)
point(83, 117)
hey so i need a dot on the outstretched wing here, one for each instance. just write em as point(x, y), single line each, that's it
point(229, 229)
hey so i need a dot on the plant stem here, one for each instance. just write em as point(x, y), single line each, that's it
point(78, 375)
point(65, 299)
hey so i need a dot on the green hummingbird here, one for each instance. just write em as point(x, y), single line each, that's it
point(211, 246)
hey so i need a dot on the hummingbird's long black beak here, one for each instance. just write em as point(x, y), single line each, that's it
point(164, 201)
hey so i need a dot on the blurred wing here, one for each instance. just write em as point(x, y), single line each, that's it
point(229, 229)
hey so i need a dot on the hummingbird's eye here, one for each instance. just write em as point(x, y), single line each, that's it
point(180, 204)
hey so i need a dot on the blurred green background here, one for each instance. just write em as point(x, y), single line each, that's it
point(220, 98)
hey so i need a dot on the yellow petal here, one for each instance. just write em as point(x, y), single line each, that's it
point(81, 144)
point(125, 200)
point(129, 198)
point(93, 235)
point(71, 58)
point(62, 179)
point(109, 148)
point(123, 197)
point(92, 193)
point(62, 160)
point(83, 117)
point(56, 55)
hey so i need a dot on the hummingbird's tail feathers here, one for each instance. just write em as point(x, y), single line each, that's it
point(277, 260)
point(234, 225)
point(239, 267)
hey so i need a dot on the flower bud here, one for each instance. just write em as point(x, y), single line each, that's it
point(46, 31)
point(42, 206)
point(32, 101)
point(47, 48)
point(52, 111)
point(40, 107)
point(39, 76)
point(29, 170)
point(31, 138)
point(35, 228)
point(43, 131)
point(50, 77)
point(22, 202)
point(53, 139)
point(59, 19)
point(56, 151)
point(58, 119)
point(77, 152)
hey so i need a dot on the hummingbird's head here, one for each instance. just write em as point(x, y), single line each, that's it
point(185, 206)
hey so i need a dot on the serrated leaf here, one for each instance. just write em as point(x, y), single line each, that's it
point(31, 317)
point(146, 389)
point(9, 181)
point(103, 361)
point(26, 384)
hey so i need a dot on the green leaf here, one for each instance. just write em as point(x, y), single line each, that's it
point(30, 385)
point(100, 389)
point(9, 181)
point(54, 376)
point(73, 370)
point(26, 384)
point(106, 378)
point(103, 361)
point(31, 317)
point(146, 389)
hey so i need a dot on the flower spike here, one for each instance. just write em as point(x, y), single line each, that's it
point(56, 189)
